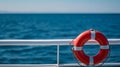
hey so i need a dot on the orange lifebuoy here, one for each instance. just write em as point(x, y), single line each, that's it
point(82, 39)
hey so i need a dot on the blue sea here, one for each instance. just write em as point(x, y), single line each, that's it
point(54, 26)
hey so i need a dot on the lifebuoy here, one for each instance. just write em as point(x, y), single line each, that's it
point(79, 42)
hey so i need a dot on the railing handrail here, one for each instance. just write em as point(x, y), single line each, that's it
point(52, 65)
point(50, 42)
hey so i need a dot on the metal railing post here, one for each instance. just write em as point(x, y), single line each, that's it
point(58, 55)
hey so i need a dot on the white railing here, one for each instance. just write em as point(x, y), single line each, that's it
point(49, 42)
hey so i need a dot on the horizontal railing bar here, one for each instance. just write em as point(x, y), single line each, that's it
point(52, 42)
point(28, 65)
point(52, 65)
point(77, 65)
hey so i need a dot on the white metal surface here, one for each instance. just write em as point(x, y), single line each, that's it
point(77, 65)
point(53, 65)
point(28, 65)
point(51, 42)
point(58, 56)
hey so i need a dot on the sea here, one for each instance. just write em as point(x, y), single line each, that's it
point(54, 26)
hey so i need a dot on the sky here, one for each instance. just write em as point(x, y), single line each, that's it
point(61, 6)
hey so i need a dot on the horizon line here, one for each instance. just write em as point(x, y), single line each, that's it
point(59, 13)
point(11, 12)
point(5, 11)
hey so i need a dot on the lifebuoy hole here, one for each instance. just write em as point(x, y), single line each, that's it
point(91, 50)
